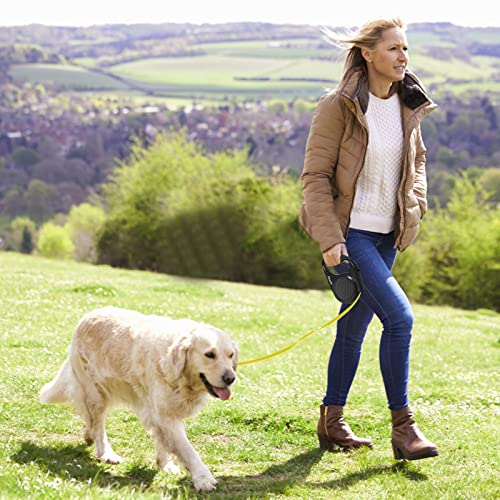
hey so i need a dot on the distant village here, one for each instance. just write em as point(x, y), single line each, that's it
point(72, 142)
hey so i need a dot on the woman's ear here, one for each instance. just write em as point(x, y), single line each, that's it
point(367, 54)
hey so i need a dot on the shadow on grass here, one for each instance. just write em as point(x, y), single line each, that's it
point(75, 461)
point(347, 481)
point(279, 478)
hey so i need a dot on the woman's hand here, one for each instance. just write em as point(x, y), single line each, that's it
point(332, 255)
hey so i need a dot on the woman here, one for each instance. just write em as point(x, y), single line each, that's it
point(364, 189)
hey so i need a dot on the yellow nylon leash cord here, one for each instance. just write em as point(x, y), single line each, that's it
point(291, 346)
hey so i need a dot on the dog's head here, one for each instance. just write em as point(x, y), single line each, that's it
point(206, 357)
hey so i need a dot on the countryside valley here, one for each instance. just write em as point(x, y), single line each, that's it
point(75, 102)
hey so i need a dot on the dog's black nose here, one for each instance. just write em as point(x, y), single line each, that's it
point(228, 377)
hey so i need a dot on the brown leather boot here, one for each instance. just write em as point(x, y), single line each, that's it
point(334, 432)
point(408, 442)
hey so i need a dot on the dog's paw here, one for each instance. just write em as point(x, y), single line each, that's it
point(205, 482)
point(110, 457)
point(169, 466)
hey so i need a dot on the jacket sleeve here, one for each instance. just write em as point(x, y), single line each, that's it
point(318, 175)
point(420, 186)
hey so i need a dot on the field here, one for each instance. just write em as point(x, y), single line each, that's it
point(264, 69)
point(65, 75)
point(262, 442)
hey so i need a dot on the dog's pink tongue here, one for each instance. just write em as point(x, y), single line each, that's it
point(224, 393)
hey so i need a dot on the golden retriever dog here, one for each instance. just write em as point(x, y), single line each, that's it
point(164, 369)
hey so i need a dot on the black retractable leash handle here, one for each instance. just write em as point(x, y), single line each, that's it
point(346, 286)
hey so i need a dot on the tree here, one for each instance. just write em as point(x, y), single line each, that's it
point(27, 242)
point(41, 198)
point(25, 158)
point(14, 202)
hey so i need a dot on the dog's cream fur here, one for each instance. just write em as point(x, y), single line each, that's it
point(152, 364)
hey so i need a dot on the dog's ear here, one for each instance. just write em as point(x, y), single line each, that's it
point(174, 361)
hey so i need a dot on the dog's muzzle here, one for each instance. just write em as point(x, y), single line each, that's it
point(223, 393)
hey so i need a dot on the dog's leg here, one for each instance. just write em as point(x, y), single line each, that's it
point(92, 403)
point(93, 408)
point(104, 451)
point(87, 434)
point(171, 438)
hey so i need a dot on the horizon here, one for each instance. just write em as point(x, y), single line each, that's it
point(214, 23)
point(60, 13)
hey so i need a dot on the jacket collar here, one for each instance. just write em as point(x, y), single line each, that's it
point(410, 91)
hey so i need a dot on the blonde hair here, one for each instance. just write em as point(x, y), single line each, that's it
point(366, 37)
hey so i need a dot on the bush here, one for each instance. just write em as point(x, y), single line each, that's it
point(463, 248)
point(410, 268)
point(455, 260)
point(155, 199)
point(176, 209)
point(54, 242)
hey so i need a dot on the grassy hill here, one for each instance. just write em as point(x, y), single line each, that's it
point(262, 442)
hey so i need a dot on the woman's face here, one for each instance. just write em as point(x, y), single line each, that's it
point(387, 62)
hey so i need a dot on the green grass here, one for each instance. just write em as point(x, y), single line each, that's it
point(63, 74)
point(262, 442)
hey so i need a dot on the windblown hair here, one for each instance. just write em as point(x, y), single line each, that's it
point(366, 37)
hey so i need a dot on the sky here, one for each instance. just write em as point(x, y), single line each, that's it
point(478, 13)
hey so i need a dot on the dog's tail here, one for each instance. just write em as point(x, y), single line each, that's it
point(57, 391)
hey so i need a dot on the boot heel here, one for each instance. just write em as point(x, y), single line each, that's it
point(326, 445)
point(398, 454)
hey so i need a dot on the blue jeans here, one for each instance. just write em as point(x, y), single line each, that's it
point(375, 255)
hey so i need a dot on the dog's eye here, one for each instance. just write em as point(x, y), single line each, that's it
point(231, 355)
point(210, 355)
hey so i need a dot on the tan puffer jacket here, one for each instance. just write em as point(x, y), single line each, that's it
point(335, 153)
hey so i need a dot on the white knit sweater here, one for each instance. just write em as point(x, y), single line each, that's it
point(375, 200)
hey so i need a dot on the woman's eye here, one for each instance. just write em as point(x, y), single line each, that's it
point(210, 355)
